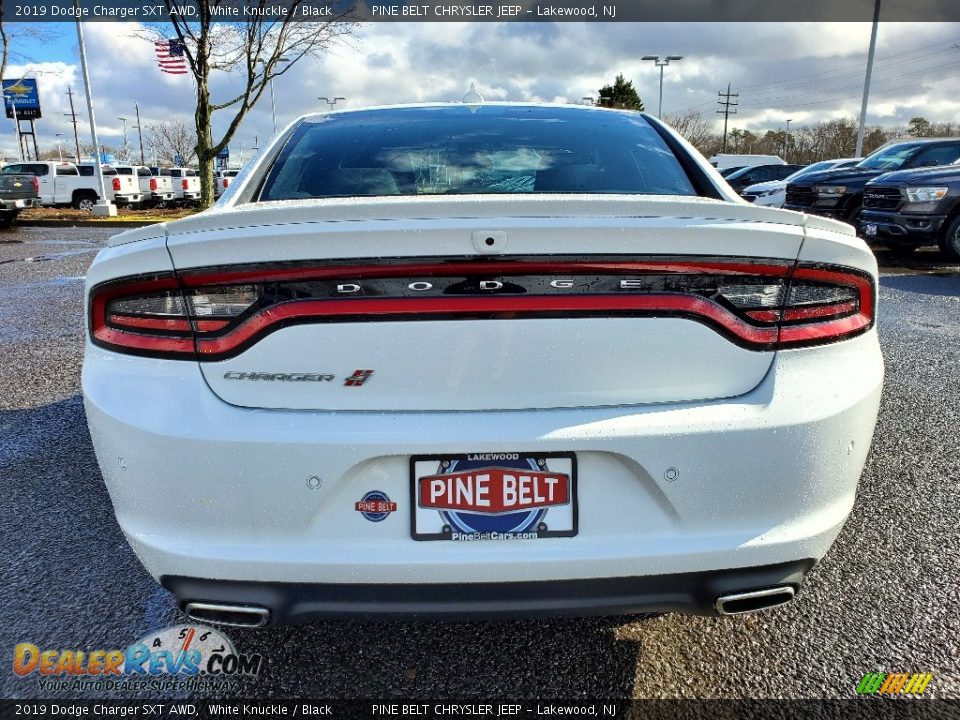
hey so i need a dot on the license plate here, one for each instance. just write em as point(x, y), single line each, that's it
point(493, 496)
point(870, 230)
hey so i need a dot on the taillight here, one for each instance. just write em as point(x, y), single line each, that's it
point(153, 184)
point(116, 184)
point(184, 184)
point(212, 314)
point(36, 184)
point(226, 182)
point(152, 316)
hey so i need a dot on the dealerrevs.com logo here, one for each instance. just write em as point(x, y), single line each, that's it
point(185, 657)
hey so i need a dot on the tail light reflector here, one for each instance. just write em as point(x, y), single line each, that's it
point(184, 184)
point(153, 184)
point(36, 184)
point(212, 314)
point(116, 184)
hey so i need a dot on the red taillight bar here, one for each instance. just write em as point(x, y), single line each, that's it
point(211, 338)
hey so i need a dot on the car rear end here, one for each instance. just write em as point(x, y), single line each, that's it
point(157, 185)
point(568, 390)
point(223, 180)
point(122, 181)
point(186, 186)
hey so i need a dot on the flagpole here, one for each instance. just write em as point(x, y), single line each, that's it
point(104, 207)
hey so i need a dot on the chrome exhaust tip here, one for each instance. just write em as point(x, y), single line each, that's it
point(248, 616)
point(755, 600)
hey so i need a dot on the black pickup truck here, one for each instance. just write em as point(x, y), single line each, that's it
point(839, 193)
point(17, 192)
point(909, 208)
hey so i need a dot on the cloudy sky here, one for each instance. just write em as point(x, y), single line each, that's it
point(805, 72)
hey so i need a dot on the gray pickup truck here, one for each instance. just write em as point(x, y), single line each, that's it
point(17, 192)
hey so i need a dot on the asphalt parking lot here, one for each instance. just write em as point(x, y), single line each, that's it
point(886, 598)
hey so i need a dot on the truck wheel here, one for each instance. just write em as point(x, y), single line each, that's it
point(950, 242)
point(84, 202)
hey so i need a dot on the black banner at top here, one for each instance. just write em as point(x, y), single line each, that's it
point(482, 10)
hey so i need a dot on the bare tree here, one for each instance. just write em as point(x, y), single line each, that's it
point(171, 142)
point(257, 50)
point(11, 33)
point(694, 128)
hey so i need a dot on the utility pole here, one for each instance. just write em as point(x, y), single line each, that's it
point(866, 82)
point(727, 112)
point(139, 132)
point(73, 119)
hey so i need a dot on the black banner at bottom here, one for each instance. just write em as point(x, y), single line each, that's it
point(856, 709)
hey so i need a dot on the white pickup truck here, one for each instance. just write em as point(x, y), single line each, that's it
point(61, 183)
point(186, 183)
point(156, 190)
point(124, 191)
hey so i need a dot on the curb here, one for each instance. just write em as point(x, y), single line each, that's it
point(129, 224)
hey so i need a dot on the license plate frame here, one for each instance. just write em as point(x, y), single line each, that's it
point(431, 523)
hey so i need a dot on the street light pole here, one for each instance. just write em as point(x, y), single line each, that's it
point(866, 81)
point(661, 62)
point(330, 102)
point(786, 141)
point(136, 107)
point(126, 152)
point(103, 206)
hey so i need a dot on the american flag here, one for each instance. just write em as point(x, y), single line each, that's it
point(170, 57)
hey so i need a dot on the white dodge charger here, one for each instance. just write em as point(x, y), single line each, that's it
point(474, 360)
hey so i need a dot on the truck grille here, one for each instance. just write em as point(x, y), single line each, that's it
point(799, 195)
point(882, 198)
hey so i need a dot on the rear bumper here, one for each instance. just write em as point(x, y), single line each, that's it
point(127, 199)
point(901, 227)
point(693, 593)
point(19, 203)
point(207, 490)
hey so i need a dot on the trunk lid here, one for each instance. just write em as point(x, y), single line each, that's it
point(551, 343)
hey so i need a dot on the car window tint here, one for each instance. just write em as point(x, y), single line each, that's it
point(67, 170)
point(937, 155)
point(494, 150)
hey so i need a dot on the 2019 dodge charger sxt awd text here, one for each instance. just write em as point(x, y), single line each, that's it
point(473, 360)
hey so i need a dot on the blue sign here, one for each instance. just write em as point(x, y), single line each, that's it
point(224, 154)
point(22, 93)
point(178, 160)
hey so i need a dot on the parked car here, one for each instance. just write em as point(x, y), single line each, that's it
point(839, 193)
point(156, 190)
point(186, 185)
point(774, 192)
point(122, 190)
point(519, 359)
point(907, 209)
point(222, 181)
point(759, 173)
point(18, 191)
point(60, 183)
point(724, 161)
point(726, 172)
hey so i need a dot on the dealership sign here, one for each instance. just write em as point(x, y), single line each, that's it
point(22, 93)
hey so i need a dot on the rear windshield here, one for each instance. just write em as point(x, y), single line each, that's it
point(468, 150)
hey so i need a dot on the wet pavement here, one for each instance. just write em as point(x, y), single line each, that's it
point(886, 597)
